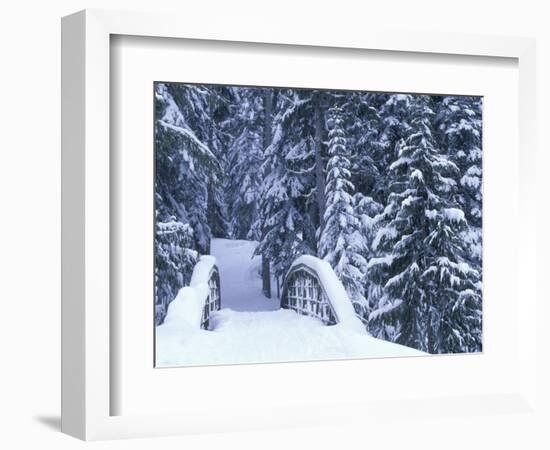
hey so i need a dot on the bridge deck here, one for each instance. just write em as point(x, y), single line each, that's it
point(268, 336)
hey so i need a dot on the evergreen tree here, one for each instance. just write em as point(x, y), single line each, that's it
point(219, 127)
point(363, 127)
point(185, 165)
point(453, 286)
point(368, 147)
point(244, 162)
point(395, 115)
point(431, 299)
point(341, 243)
point(367, 209)
point(460, 132)
point(288, 185)
point(417, 175)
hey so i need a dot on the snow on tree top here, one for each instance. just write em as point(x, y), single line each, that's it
point(453, 214)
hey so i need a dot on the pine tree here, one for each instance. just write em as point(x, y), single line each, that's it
point(430, 290)
point(219, 134)
point(363, 127)
point(460, 132)
point(288, 184)
point(415, 176)
point(395, 115)
point(452, 286)
point(460, 127)
point(394, 112)
point(185, 165)
point(366, 210)
point(244, 162)
point(341, 242)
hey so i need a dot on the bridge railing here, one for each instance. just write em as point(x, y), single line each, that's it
point(303, 292)
point(312, 288)
point(213, 300)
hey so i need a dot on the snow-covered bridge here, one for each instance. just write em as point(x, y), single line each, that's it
point(223, 317)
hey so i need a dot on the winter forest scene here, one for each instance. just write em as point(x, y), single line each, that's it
point(297, 224)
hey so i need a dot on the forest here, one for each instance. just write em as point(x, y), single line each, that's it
point(385, 187)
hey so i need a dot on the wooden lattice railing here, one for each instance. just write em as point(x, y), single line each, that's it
point(213, 301)
point(303, 292)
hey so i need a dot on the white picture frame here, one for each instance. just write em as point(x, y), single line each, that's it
point(86, 246)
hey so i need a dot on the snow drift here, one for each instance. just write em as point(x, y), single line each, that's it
point(186, 308)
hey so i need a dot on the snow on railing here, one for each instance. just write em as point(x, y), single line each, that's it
point(194, 303)
point(312, 288)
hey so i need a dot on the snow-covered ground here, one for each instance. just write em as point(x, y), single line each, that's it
point(274, 336)
point(252, 329)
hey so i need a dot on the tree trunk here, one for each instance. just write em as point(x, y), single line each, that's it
point(319, 164)
point(266, 277)
point(268, 100)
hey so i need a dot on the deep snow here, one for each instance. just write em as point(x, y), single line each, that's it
point(267, 336)
point(186, 309)
point(251, 328)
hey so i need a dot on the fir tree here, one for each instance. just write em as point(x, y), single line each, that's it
point(367, 209)
point(219, 132)
point(341, 243)
point(430, 290)
point(460, 132)
point(286, 228)
point(244, 162)
point(415, 176)
point(363, 126)
point(185, 166)
point(395, 115)
point(452, 286)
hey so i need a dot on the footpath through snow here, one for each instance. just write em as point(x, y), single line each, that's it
point(251, 328)
point(241, 283)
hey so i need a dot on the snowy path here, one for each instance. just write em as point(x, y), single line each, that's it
point(252, 329)
point(241, 283)
point(269, 336)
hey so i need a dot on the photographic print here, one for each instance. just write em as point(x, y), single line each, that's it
point(298, 224)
